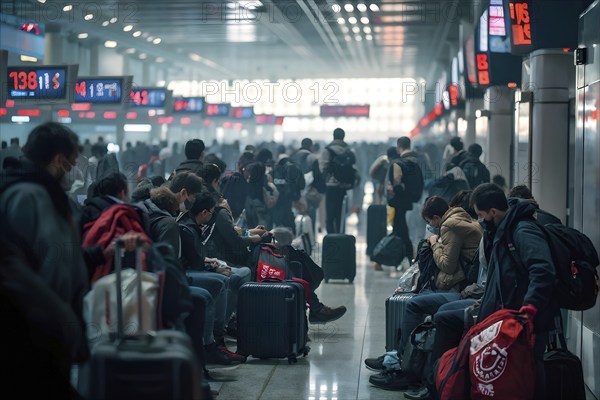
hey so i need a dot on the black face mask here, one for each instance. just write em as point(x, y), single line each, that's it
point(188, 204)
point(488, 226)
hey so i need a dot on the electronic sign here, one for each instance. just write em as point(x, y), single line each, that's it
point(218, 110)
point(43, 82)
point(242, 112)
point(265, 119)
point(148, 97)
point(188, 104)
point(279, 120)
point(3, 75)
point(102, 90)
point(345, 111)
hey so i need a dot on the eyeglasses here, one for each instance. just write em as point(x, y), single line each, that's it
point(211, 212)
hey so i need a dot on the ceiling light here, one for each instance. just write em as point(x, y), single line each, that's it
point(195, 57)
point(143, 56)
point(89, 17)
point(105, 23)
point(341, 21)
point(348, 8)
point(352, 20)
point(130, 50)
point(345, 29)
point(348, 38)
point(358, 38)
point(160, 59)
point(41, 1)
point(150, 38)
point(336, 8)
point(111, 44)
point(137, 33)
point(67, 8)
point(113, 20)
point(82, 36)
point(364, 20)
point(361, 7)
point(28, 59)
point(127, 28)
point(157, 40)
point(355, 29)
point(369, 37)
point(374, 7)
point(367, 29)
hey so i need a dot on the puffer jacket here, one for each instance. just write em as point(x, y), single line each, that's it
point(459, 238)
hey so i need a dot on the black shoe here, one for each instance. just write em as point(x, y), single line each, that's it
point(375, 364)
point(391, 380)
point(215, 355)
point(326, 314)
point(231, 328)
point(420, 393)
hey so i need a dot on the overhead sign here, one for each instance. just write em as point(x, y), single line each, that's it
point(242, 112)
point(345, 111)
point(265, 119)
point(148, 97)
point(188, 104)
point(41, 82)
point(101, 90)
point(218, 110)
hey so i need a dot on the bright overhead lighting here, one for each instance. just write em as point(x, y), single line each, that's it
point(82, 36)
point(348, 8)
point(352, 20)
point(341, 21)
point(367, 29)
point(150, 38)
point(111, 44)
point(361, 7)
point(137, 128)
point(374, 7)
point(130, 50)
point(345, 29)
point(28, 59)
point(195, 57)
point(157, 40)
point(41, 1)
point(358, 38)
point(113, 20)
point(348, 38)
point(336, 8)
point(89, 17)
point(127, 28)
point(369, 37)
point(105, 23)
point(364, 20)
point(19, 119)
point(355, 29)
point(143, 56)
point(160, 59)
point(137, 33)
point(67, 8)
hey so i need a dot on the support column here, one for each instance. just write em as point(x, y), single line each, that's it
point(53, 45)
point(498, 100)
point(94, 57)
point(552, 74)
point(471, 106)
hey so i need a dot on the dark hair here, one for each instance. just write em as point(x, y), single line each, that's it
point(157, 180)
point(264, 156)
point(457, 143)
point(194, 149)
point(245, 159)
point(487, 196)
point(47, 140)
point(212, 158)
point(210, 172)
point(403, 142)
point(392, 153)
point(4, 144)
point(462, 199)
point(99, 150)
point(111, 185)
point(521, 191)
point(186, 180)
point(306, 143)
point(499, 180)
point(128, 145)
point(164, 199)
point(14, 140)
point(339, 134)
point(142, 191)
point(249, 149)
point(435, 205)
point(204, 201)
point(475, 150)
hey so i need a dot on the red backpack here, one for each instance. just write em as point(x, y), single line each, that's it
point(493, 360)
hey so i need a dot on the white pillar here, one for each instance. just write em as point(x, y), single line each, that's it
point(498, 101)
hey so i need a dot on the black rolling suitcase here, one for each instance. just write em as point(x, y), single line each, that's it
point(339, 257)
point(376, 226)
point(271, 320)
point(394, 310)
point(157, 365)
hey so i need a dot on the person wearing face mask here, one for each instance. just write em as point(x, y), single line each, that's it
point(456, 237)
point(37, 211)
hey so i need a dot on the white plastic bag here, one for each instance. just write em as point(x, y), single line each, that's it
point(408, 281)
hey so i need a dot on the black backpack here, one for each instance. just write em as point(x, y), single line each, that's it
point(412, 180)
point(235, 189)
point(575, 260)
point(289, 179)
point(475, 171)
point(341, 166)
point(446, 187)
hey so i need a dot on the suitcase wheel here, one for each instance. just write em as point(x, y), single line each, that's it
point(292, 360)
point(305, 352)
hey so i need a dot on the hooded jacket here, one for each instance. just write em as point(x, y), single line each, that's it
point(460, 236)
point(531, 281)
point(163, 226)
point(194, 166)
point(337, 147)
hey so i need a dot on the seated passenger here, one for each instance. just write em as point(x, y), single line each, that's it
point(107, 192)
point(543, 217)
point(457, 242)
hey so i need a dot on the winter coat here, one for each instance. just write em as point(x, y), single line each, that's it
point(163, 226)
point(337, 147)
point(194, 166)
point(225, 243)
point(459, 238)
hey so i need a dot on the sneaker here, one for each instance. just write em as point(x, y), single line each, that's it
point(391, 380)
point(214, 355)
point(326, 314)
point(232, 355)
point(420, 393)
point(375, 364)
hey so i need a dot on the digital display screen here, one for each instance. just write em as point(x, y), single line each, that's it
point(345, 111)
point(242, 112)
point(279, 120)
point(109, 90)
point(520, 26)
point(188, 104)
point(470, 60)
point(36, 82)
point(265, 119)
point(496, 22)
point(148, 97)
point(218, 110)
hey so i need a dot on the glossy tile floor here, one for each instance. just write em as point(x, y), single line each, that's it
point(334, 369)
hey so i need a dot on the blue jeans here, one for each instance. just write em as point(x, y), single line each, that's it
point(238, 277)
point(418, 308)
point(216, 285)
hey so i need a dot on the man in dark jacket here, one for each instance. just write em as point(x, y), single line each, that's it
point(194, 153)
point(543, 217)
point(526, 284)
point(475, 171)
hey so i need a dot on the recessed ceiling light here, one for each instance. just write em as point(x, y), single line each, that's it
point(89, 17)
point(67, 8)
point(105, 23)
point(127, 28)
point(157, 40)
point(341, 21)
point(336, 8)
point(41, 1)
point(150, 38)
point(160, 59)
point(348, 8)
point(358, 38)
point(374, 7)
point(82, 36)
point(364, 20)
point(361, 7)
point(28, 59)
point(130, 50)
point(355, 29)
point(345, 29)
point(367, 29)
point(369, 37)
point(111, 44)
point(352, 20)
point(113, 20)
point(195, 57)
point(143, 56)
point(137, 33)
point(348, 38)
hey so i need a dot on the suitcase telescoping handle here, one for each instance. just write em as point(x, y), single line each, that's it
point(119, 246)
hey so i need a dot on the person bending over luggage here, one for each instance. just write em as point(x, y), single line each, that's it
point(455, 242)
